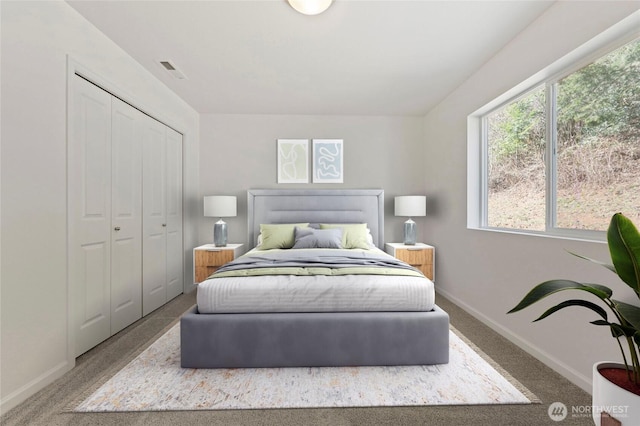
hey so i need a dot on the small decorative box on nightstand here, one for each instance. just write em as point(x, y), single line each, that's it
point(420, 256)
point(208, 258)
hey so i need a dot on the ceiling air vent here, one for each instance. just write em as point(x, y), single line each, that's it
point(173, 70)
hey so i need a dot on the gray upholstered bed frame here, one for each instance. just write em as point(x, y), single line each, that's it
point(314, 339)
point(316, 206)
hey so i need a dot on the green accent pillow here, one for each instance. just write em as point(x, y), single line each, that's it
point(354, 235)
point(278, 236)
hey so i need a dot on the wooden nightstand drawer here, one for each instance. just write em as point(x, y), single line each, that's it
point(208, 261)
point(415, 256)
point(213, 257)
point(420, 256)
point(208, 258)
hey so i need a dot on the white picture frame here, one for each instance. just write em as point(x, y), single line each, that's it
point(293, 160)
point(328, 161)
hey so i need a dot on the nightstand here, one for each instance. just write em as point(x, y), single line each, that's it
point(208, 258)
point(420, 256)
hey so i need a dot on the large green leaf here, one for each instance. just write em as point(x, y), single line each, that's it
point(574, 302)
point(606, 265)
point(624, 245)
point(604, 289)
point(550, 287)
point(630, 313)
point(616, 329)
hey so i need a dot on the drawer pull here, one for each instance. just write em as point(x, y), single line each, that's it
point(117, 228)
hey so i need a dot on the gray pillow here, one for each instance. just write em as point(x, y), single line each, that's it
point(317, 238)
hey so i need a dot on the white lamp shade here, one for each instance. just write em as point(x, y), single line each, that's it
point(411, 205)
point(220, 206)
point(310, 7)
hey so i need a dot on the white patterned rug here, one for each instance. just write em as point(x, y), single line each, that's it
point(154, 381)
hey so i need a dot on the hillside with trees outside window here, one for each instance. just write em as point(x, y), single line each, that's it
point(598, 149)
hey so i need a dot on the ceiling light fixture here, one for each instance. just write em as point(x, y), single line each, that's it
point(310, 7)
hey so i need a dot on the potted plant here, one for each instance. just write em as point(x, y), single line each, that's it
point(623, 241)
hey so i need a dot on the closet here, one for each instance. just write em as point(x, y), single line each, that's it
point(124, 183)
point(162, 214)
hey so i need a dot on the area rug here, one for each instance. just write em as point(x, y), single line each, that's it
point(154, 381)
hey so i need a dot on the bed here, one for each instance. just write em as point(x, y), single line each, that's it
point(362, 322)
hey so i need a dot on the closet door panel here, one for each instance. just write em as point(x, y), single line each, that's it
point(175, 254)
point(125, 214)
point(126, 218)
point(154, 224)
point(89, 200)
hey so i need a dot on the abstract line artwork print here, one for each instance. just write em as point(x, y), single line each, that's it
point(327, 161)
point(293, 163)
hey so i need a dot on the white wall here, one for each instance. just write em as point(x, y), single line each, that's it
point(36, 39)
point(499, 268)
point(238, 152)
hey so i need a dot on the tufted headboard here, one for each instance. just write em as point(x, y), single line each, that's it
point(316, 206)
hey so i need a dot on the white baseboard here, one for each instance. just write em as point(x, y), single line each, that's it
point(561, 368)
point(188, 288)
point(29, 389)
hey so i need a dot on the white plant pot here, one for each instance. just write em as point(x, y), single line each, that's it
point(621, 404)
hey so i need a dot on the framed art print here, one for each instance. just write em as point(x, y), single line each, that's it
point(293, 161)
point(327, 161)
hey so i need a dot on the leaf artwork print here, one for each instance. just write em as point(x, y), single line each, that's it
point(293, 161)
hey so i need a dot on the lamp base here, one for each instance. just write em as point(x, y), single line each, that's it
point(410, 233)
point(220, 233)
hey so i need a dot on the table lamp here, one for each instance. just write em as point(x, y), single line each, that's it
point(220, 206)
point(410, 206)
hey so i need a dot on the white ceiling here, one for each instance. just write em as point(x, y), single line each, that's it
point(359, 57)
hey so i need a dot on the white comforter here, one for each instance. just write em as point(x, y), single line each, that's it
point(316, 293)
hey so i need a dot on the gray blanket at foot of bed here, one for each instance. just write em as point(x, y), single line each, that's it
point(314, 339)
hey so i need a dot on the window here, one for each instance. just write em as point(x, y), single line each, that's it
point(516, 169)
point(564, 155)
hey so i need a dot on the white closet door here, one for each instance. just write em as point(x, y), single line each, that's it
point(154, 219)
point(89, 198)
point(126, 217)
point(174, 214)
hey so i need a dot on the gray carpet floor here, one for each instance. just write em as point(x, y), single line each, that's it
point(51, 405)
